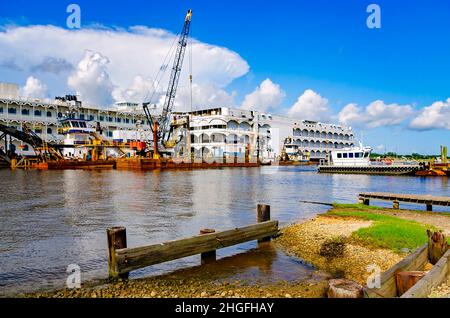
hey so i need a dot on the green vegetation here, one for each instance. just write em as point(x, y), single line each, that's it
point(414, 156)
point(355, 206)
point(386, 231)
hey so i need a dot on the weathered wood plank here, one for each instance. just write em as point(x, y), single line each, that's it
point(435, 277)
point(134, 258)
point(413, 262)
point(410, 198)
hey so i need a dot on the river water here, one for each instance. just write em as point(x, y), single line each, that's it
point(50, 219)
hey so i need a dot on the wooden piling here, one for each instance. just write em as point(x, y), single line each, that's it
point(406, 280)
point(362, 200)
point(207, 257)
point(263, 215)
point(437, 246)
point(117, 239)
point(396, 205)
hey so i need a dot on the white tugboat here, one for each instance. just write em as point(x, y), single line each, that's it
point(356, 160)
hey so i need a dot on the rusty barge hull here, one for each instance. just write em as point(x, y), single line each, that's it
point(74, 165)
point(147, 164)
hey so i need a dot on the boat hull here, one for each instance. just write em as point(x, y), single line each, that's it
point(375, 170)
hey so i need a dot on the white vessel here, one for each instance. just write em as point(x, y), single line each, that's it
point(350, 157)
point(356, 160)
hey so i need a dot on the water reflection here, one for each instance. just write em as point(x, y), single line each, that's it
point(50, 219)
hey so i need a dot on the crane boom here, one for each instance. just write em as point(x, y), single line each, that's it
point(175, 74)
point(164, 120)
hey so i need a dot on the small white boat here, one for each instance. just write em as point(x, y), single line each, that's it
point(356, 160)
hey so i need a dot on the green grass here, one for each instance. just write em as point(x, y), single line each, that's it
point(356, 206)
point(386, 231)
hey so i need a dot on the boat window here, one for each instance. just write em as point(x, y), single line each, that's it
point(350, 155)
point(82, 124)
point(345, 155)
point(339, 155)
point(358, 154)
point(75, 124)
point(366, 155)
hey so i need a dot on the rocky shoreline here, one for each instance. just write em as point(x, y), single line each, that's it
point(327, 242)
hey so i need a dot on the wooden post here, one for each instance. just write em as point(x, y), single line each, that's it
point(207, 257)
point(362, 200)
point(437, 246)
point(396, 205)
point(406, 280)
point(429, 207)
point(117, 239)
point(344, 288)
point(263, 215)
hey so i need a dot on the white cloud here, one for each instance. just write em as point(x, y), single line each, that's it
point(376, 114)
point(311, 106)
point(137, 51)
point(267, 95)
point(203, 96)
point(435, 116)
point(91, 80)
point(138, 91)
point(34, 88)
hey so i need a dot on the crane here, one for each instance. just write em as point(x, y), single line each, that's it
point(161, 126)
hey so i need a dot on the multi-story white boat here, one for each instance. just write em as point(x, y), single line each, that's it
point(215, 132)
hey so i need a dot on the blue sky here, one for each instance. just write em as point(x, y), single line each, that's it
point(323, 46)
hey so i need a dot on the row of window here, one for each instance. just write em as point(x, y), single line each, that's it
point(210, 127)
point(38, 113)
point(352, 155)
point(322, 135)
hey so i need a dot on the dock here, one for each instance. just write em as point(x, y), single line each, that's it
point(396, 198)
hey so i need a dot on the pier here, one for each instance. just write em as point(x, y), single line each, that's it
point(428, 200)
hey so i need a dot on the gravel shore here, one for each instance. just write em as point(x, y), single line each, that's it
point(325, 242)
point(307, 241)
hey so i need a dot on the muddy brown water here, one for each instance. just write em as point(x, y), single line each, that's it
point(51, 219)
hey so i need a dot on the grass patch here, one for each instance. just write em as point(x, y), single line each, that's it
point(386, 231)
point(355, 206)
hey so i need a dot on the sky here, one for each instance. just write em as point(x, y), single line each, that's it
point(315, 60)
